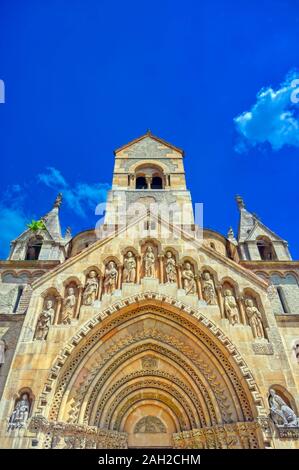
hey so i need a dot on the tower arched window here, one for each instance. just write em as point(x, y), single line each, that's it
point(141, 182)
point(266, 249)
point(33, 248)
point(156, 183)
point(149, 177)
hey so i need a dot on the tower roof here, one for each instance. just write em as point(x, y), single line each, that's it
point(148, 134)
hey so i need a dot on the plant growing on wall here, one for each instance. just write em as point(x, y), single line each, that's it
point(36, 225)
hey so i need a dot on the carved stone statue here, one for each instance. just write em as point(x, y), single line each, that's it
point(111, 275)
point(20, 413)
point(129, 274)
point(188, 278)
point(255, 319)
point(208, 289)
point(44, 321)
point(149, 262)
point(91, 288)
point(281, 414)
point(170, 268)
point(69, 306)
point(230, 307)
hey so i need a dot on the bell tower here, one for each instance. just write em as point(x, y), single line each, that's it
point(149, 175)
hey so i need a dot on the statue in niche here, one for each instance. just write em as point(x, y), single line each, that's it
point(91, 288)
point(208, 289)
point(69, 306)
point(149, 262)
point(129, 273)
point(111, 275)
point(44, 321)
point(230, 307)
point(281, 414)
point(20, 413)
point(170, 268)
point(188, 278)
point(255, 319)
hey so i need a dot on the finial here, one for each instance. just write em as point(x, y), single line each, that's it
point(240, 202)
point(230, 233)
point(231, 236)
point(149, 132)
point(58, 200)
point(68, 232)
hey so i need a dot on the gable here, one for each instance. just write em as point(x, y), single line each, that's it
point(148, 147)
point(260, 229)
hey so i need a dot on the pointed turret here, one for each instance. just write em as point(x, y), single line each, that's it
point(256, 241)
point(43, 239)
point(51, 219)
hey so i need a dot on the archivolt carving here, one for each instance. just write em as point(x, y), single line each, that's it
point(144, 384)
point(153, 300)
point(130, 354)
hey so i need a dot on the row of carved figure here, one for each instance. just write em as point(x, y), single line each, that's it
point(184, 277)
point(280, 412)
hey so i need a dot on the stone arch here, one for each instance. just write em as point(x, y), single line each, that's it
point(169, 331)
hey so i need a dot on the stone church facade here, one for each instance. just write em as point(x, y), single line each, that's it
point(149, 331)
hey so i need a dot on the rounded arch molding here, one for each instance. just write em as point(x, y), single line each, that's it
point(198, 368)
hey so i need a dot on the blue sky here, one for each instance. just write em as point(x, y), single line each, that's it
point(213, 77)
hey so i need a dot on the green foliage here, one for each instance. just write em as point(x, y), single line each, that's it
point(36, 225)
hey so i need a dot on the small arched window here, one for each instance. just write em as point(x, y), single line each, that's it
point(156, 183)
point(266, 249)
point(33, 248)
point(141, 182)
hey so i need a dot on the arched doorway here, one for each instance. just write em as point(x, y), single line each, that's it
point(151, 375)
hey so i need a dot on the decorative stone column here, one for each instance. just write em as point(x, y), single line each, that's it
point(220, 300)
point(148, 181)
point(179, 271)
point(79, 300)
point(100, 287)
point(241, 309)
point(119, 279)
point(59, 300)
point(199, 290)
point(138, 268)
point(161, 268)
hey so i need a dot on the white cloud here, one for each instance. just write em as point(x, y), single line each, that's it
point(13, 219)
point(273, 119)
point(80, 197)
